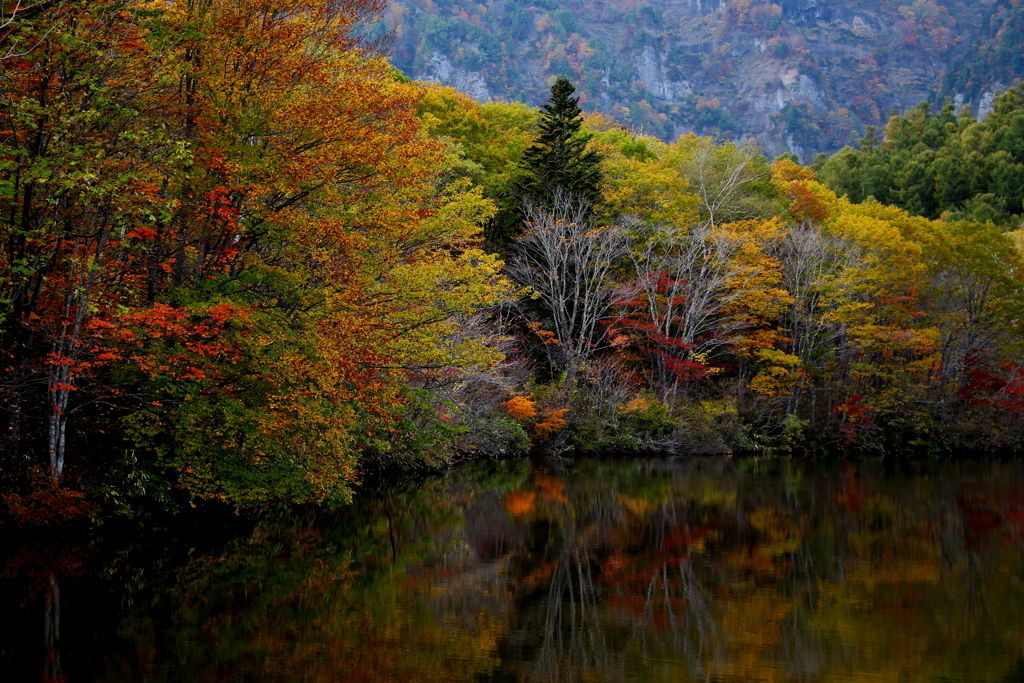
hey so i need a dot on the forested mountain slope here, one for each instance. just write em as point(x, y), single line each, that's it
point(801, 75)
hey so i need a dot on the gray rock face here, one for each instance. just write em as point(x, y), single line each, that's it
point(650, 70)
point(442, 71)
point(985, 105)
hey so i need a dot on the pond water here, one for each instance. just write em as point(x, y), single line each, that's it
point(679, 570)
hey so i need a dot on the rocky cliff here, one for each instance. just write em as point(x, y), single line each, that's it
point(804, 76)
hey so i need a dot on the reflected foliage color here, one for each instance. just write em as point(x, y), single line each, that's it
point(599, 571)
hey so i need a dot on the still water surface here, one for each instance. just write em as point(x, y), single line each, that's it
point(685, 570)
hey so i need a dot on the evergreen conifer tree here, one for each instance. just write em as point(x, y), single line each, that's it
point(557, 164)
point(559, 159)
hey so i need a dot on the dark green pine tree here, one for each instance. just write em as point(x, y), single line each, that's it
point(559, 159)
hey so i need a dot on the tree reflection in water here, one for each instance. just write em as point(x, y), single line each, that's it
point(597, 571)
point(697, 569)
point(51, 631)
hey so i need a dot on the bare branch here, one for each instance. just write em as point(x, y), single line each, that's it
point(567, 261)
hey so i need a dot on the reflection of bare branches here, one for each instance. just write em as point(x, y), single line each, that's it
point(684, 603)
point(51, 632)
point(575, 633)
point(729, 571)
point(574, 638)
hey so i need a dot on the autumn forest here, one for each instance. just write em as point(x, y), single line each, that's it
point(247, 262)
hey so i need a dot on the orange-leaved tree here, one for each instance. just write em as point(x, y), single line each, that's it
point(318, 204)
point(248, 241)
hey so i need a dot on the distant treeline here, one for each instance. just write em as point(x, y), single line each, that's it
point(940, 165)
